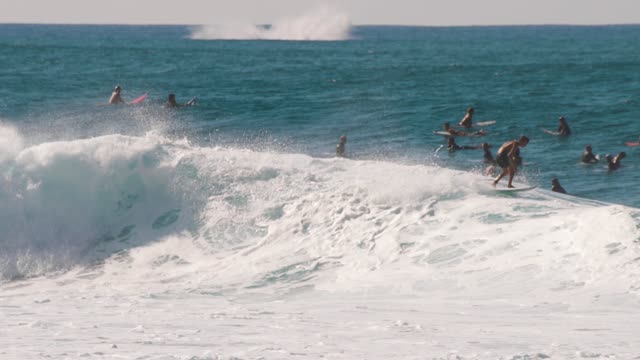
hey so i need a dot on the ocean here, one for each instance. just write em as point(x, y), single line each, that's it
point(229, 229)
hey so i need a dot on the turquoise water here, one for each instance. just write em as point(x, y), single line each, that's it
point(387, 88)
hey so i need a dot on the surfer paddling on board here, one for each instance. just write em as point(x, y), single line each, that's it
point(115, 96)
point(172, 103)
point(467, 120)
point(454, 132)
point(587, 155)
point(340, 148)
point(507, 158)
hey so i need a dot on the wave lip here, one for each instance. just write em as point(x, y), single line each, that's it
point(322, 25)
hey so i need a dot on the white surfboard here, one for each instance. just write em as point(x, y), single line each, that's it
point(515, 189)
point(502, 186)
point(445, 133)
point(485, 123)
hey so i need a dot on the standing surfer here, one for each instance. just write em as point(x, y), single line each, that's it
point(507, 158)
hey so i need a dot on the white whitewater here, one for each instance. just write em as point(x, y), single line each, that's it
point(321, 24)
point(143, 247)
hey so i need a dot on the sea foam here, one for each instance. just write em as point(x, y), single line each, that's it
point(225, 217)
point(318, 25)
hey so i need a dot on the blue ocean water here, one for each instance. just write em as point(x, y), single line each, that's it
point(387, 88)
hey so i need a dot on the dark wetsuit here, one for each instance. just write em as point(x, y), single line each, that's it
point(563, 130)
point(588, 157)
point(488, 158)
point(558, 188)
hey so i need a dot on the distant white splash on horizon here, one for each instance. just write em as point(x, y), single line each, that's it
point(319, 25)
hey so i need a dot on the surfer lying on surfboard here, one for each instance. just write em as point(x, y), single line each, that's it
point(116, 98)
point(454, 132)
point(507, 158)
point(172, 103)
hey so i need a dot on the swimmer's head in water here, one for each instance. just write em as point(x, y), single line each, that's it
point(470, 110)
point(622, 155)
point(485, 146)
point(446, 126)
point(588, 147)
point(117, 88)
point(555, 181)
point(343, 139)
point(172, 97)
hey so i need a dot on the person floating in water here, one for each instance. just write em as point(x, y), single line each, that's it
point(172, 103)
point(452, 146)
point(507, 158)
point(455, 132)
point(614, 163)
point(563, 127)
point(340, 148)
point(556, 187)
point(467, 120)
point(587, 155)
point(115, 96)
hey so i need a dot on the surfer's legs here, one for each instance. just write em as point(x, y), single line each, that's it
point(512, 172)
point(502, 174)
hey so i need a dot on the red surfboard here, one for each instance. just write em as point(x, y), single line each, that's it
point(140, 99)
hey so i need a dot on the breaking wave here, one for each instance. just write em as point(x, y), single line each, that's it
point(165, 210)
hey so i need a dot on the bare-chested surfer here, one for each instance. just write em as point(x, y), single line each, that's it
point(507, 158)
point(115, 96)
point(467, 120)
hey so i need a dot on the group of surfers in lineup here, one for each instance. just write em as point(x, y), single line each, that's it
point(116, 99)
point(508, 155)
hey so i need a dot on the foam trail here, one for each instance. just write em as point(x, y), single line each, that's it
point(319, 25)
